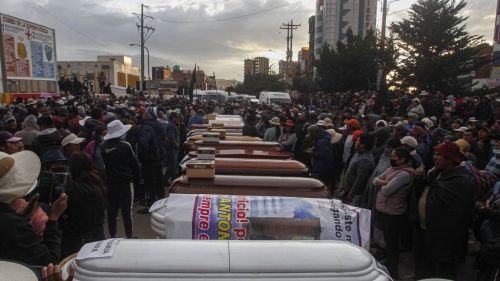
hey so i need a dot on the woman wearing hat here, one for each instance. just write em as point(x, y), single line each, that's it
point(18, 177)
point(288, 138)
point(273, 133)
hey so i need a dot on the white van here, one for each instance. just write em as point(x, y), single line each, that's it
point(274, 98)
point(224, 260)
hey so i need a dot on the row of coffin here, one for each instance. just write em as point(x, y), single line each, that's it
point(244, 167)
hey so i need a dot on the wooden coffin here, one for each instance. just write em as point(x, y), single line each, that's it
point(226, 144)
point(248, 153)
point(264, 167)
point(252, 185)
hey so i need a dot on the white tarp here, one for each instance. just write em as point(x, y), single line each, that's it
point(227, 217)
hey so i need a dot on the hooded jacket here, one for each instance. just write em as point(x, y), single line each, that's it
point(47, 139)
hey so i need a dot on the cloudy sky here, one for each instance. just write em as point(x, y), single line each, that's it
point(216, 34)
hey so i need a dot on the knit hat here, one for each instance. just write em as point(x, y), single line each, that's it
point(417, 131)
point(356, 134)
point(353, 123)
point(449, 150)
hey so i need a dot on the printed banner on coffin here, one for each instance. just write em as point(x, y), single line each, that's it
point(227, 217)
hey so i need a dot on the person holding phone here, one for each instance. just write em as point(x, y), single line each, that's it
point(18, 240)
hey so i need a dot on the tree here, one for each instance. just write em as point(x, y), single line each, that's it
point(353, 65)
point(436, 50)
point(256, 83)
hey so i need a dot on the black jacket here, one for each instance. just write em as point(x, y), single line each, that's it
point(250, 130)
point(152, 146)
point(449, 207)
point(120, 162)
point(85, 210)
point(19, 242)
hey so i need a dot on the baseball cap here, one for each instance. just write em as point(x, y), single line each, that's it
point(409, 141)
point(8, 137)
point(71, 138)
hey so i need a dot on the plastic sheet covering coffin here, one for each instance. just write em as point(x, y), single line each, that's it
point(226, 217)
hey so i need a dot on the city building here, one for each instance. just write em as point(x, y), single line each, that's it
point(161, 73)
point(288, 70)
point(117, 70)
point(27, 57)
point(305, 64)
point(183, 78)
point(312, 26)
point(255, 66)
point(335, 17)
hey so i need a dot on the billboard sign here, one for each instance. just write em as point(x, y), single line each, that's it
point(29, 49)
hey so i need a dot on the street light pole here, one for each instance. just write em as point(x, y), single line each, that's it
point(147, 50)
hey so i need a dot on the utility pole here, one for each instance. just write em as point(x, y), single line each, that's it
point(144, 37)
point(290, 27)
point(380, 74)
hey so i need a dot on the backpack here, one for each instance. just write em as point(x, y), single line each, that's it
point(483, 180)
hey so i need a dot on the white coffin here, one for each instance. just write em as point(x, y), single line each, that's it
point(230, 260)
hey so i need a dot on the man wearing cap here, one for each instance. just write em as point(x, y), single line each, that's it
point(445, 215)
point(121, 170)
point(49, 137)
point(19, 242)
point(351, 126)
point(359, 169)
point(10, 144)
point(71, 144)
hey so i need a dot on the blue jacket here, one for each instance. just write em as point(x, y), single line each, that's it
point(196, 119)
point(322, 159)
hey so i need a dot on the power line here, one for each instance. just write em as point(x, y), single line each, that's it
point(278, 32)
point(226, 19)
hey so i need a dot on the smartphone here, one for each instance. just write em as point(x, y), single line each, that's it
point(51, 186)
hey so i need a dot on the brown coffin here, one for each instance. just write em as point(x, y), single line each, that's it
point(264, 167)
point(252, 185)
point(224, 144)
point(194, 138)
point(248, 153)
point(204, 126)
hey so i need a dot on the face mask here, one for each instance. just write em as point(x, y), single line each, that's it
point(394, 163)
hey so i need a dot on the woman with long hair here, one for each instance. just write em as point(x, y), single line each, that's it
point(84, 218)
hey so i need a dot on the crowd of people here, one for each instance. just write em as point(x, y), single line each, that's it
point(427, 167)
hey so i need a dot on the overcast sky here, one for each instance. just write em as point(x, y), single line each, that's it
point(216, 34)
